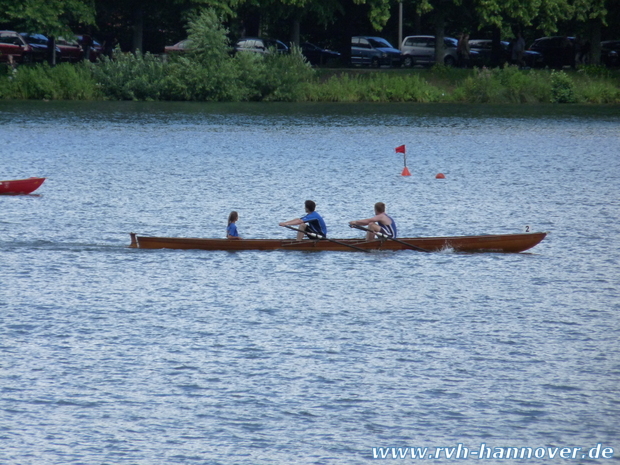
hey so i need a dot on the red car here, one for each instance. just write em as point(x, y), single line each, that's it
point(70, 50)
point(179, 47)
point(96, 49)
point(13, 48)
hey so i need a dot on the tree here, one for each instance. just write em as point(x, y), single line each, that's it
point(136, 16)
point(594, 14)
point(53, 18)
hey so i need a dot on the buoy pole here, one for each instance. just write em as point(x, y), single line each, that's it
point(405, 169)
point(402, 149)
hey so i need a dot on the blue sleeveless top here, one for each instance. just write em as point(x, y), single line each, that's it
point(389, 230)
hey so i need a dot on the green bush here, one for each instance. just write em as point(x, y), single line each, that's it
point(483, 87)
point(562, 88)
point(208, 72)
point(595, 71)
point(598, 92)
point(251, 68)
point(62, 82)
point(285, 76)
point(131, 76)
point(336, 88)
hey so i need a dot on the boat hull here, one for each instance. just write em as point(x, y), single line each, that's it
point(499, 243)
point(20, 186)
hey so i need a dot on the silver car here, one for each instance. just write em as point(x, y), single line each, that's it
point(420, 50)
point(263, 46)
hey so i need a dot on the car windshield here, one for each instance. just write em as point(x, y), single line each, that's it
point(63, 41)
point(379, 43)
point(36, 38)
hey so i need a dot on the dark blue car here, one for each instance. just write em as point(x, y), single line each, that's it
point(40, 47)
point(374, 52)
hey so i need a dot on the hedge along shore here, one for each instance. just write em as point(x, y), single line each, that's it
point(288, 78)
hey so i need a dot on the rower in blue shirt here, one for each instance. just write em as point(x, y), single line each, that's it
point(312, 222)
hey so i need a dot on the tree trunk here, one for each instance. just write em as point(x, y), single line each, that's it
point(497, 55)
point(595, 42)
point(51, 51)
point(138, 29)
point(417, 23)
point(295, 32)
point(439, 36)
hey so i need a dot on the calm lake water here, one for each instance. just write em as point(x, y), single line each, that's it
point(110, 355)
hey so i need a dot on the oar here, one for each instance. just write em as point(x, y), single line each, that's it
point(378, 234)
point(316, 236)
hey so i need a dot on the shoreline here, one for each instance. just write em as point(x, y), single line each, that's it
point(298, 83)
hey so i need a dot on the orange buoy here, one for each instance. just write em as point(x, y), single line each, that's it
point(440, 176)
point(406, 172)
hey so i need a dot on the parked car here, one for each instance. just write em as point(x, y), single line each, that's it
point(14, 48)
point(70, 50)
point(259, 45)
point(40, 47)
point(96, 49)
point(420, 50)
point(484, 49)
point(183, 46)
point(374, 52)
point(610, 53)
point(557, 51)
point(317, 55)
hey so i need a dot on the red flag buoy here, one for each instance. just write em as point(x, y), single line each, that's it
point(440, 176)
point(405, 172)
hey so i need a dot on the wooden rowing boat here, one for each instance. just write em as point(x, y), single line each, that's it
point(500, 243)
point(20, 186)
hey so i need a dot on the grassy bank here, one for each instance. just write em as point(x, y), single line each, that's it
point(594, 85)
point(250, 78)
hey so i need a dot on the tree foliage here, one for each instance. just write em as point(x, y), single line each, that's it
point(132, 19)
point(53, 17)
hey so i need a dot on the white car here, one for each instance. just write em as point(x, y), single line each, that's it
point(262, 46)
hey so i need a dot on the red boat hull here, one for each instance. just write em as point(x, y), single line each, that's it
point(20, 186)
point(501, 243)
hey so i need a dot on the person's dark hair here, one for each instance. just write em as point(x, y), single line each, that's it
point(310, 205)
point(234, 216)
point(380, 207)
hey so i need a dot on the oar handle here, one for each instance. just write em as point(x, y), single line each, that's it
point(376, 233)
point(309, 234)
point(383, 236)
point(316, 236)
